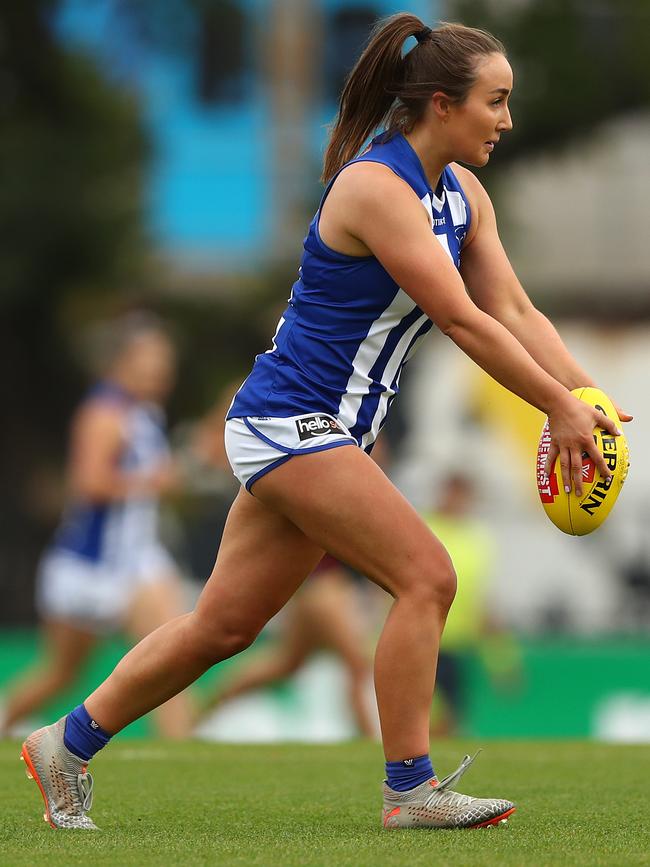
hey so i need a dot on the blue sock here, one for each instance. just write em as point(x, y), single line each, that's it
point(409, 773)
point(82, 735)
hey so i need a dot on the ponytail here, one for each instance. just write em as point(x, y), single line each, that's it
point(443, 60)
point(368, 91)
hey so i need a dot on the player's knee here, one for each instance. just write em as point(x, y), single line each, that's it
point(237, 639)
point(232, 638)
point(223, 640)
point(448, 583)
point(435, 586)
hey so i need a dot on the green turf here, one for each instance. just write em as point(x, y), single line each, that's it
point(196, 803)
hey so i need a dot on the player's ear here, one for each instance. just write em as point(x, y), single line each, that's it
point(441, 105)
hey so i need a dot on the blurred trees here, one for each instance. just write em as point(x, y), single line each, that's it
point(73, 163)
point(577, 63)
point(71, 156)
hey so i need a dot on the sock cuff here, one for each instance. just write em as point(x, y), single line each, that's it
point(82, 735)
point(409, 773)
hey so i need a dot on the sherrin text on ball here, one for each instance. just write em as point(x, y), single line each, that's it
point(575, 515)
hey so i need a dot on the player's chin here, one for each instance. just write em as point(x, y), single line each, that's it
point(477, 160)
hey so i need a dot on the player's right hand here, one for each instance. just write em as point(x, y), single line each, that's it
point(571, 424)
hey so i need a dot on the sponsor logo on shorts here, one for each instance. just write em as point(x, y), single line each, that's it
point(316, 426)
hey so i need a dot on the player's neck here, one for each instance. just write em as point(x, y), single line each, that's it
point(431, 156)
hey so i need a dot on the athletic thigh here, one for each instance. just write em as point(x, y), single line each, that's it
point(262, 560)
point(345, 504)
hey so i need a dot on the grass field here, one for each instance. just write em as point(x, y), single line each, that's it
point(196, 803)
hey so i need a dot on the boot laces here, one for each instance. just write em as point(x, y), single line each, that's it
point(81, 790)
point(442, 793)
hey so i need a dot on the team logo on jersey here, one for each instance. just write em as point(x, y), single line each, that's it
point(316, 426)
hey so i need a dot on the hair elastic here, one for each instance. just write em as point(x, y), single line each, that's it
point(423, 35)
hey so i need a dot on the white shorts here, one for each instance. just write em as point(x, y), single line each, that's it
point(95, 596)
point(256, 445)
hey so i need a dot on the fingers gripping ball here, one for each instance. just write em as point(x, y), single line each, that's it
point(575, 515)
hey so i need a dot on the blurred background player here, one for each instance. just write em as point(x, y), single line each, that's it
point(324, 614)
point(470, 626)
point(209, 486)
point(106, 568)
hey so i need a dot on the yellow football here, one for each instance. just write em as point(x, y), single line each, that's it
point(575, 515)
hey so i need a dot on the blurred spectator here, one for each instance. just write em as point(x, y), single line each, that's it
point(636, 582)
point(470, 629)
point(106, 568)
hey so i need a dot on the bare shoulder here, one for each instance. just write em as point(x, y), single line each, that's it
point(362, 189)
point(369, 182)
point(100, 418)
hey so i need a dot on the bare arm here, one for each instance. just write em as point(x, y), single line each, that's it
point(494, 287)
point(96, 444)
point(382, 212)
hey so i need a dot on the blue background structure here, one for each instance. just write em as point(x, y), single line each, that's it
point(210, 157)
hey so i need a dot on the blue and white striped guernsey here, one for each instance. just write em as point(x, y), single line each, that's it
point(341, 344)
point(112, 533)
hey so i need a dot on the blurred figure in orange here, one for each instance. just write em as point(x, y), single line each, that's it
point(469, 626)
point(106, 568)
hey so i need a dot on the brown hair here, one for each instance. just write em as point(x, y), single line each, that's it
point(388, 87)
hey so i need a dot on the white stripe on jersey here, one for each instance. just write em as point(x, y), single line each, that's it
point(359, 382)
point(444, 243)
point(426, 201)
point(274, 347)
point(457, 208)
point(396, 359)
point(439, 203)
point(388, 375)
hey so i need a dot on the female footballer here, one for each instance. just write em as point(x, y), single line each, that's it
point(106, 568)
point(401, 230)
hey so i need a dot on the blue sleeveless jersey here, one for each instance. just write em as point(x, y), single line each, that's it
point(348, 330)
point(110, 532)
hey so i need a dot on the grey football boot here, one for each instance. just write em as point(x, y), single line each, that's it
point(434, 805)
point(66, 787)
